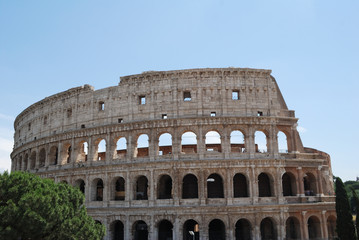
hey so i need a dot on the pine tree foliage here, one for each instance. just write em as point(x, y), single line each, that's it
point(356, 199)
point(36, 208)
point(345, 225)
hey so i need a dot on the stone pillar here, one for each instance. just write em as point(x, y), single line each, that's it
point(110, 149)
point(202, 188)
point(151, 186)
point(201, 143)
point(250, 144)
point(228, 194)
point(300, 183)
point(226, 144)
point(319, 182)
point(90, 150)
point(152, 145)
point(127, 228)
point(324, 228)
point(87, 189)
point(73, 155)
point(305, 234)
point(176, 145)
point(254, 185)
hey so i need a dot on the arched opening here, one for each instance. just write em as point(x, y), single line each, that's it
point(80, 184)
point(164, 189)
point(189, 143)
point(215, 186)
point(33, 160)
point(240, 186)
point(120, 189)
point(117, 230)
point(101, 150)
point(97, 193)
point(331, 226)
point(310, 184)
point(165, 144)
point(42, 157)
point(292, 229)
point(237, 142)
point(141, 188)
point(140, 230)
point(190, 187)
point(260, 142)
point(282, 142)
point(26, 161)
point(314, 228)
point(142, 146)
point(268, 230)
point(165, 230)
point(264, 185)
point(213, 142)
point(190, 230)
point(82, 156)
point(288, 184)
point(243, 230)
point(121, 147)
point(53, 155)
point(216, 230)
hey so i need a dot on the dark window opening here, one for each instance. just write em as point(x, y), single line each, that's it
point(29, 127)
point(101, 106)
point(216, 230)
point(120, 189)
point(83, 126)
point(118, 230)
point(120, 120)
point(240, 186)
point(45, 120)
point(264, 185)
point(215, 186)
point(140, 230)
point(213, 114)
point(190, 230)
point(267, 229)
point(165, 187)
point(164, 116)
point(141, 188)
point(190, 187)
point(259, 114)
point(243, 230)
point(69, 113)
point(165, 230)
point(99, 190)
point(187, 96)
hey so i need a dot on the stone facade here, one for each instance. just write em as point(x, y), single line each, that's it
point(181, 158)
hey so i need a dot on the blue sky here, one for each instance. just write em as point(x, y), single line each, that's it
point(312, 47)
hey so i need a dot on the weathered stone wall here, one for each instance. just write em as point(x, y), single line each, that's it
point(50, 137)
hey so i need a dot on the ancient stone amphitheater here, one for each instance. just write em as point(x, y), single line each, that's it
point(188, 154)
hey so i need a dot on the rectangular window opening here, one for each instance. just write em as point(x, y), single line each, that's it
point(69, 113)
point(164, 116)
point(142, 100)
point(82, 125)
point(235, 95)
point(213, 114)
point(101, 106)
point(120, 120)
point(187, 96)
point(259, 114)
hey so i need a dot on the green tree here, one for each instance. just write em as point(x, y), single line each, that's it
point(36, 208)
point(345, 225)
point(356, 200)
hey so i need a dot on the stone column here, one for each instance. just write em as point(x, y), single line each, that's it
point(152, 145)
point(250, 144)
point(324, 225)
point(300, 183)
point(319, 182)
point(305, 234)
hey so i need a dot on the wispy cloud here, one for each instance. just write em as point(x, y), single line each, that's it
point(7, 117)
point(301, 129)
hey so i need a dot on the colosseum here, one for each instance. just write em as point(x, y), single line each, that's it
point(187, 154)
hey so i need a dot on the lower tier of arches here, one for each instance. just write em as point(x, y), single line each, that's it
point(267, 223)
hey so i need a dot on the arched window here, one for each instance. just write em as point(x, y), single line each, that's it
point(189, 143)
point(331, 225)
point(314, 228)
point(81, 185)
point(260, 142)
point(120, 189)
point(140, 230)
point(101, 150)
point(288, 184)
point(215, 186)
point(165, 230)
point(142, 146)
point(282, 142)
point(117, 230)
point(121, 147)
point(164, 188)
point(264, 185)
point(240, 186)
point(213, 142)
point(97, 190)
point(292, 228)
point(42, 157)
point(33, 160)
point(268, 229)
point(310, 185)
point(141, 188)
point(53, 155)
point(165, 144)
point(190, 230)
point(190, 187)
point(216, 230)
point(83, 153)
point(243, 230)
point(237, 142)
